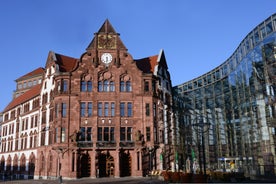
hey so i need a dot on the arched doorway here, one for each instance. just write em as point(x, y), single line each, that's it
point(106, 165)
point(125, 163)
point(85, 165)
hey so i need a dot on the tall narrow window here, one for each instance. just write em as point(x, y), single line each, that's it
point(90, 108)
point(83, 86)
point(64, 86)
point(106, 104)
point(112, 109)
point(129, 109)
point(146, 86)
point(82, 110)
point(89, 134)
point(63, 109)
point(63, 134)
point(106, 85)
point(82, 134)
point(106, 133)
point(100, 86)
point(122, 86)
point(147, 109)
point(100, 133)
point(123, 133)
point(112, 86)
point(100, 109)
point(148, 133)
point(89, 86)
point(122, 109)
point(112, 138)
point(128, 86)
point(129, 133)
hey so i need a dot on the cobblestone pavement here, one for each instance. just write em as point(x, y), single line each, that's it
point(129, 180)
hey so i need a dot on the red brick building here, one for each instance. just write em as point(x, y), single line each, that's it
point(104, 114)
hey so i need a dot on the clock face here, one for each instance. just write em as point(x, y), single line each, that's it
point(106, 58)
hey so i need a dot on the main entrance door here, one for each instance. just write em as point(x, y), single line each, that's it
point(106, 165)
point(85, 166)
point(125, 164)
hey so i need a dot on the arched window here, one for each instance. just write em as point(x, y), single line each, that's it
point(23, 163)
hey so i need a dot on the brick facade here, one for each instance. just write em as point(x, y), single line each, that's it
point(99, 116)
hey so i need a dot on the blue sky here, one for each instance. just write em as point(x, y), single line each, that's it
point(196, 35)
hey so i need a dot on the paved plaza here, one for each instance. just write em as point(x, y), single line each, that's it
point(129, 180)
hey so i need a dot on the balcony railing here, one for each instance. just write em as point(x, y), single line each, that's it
point(106, 144)
point(127, 144)
point(84, 144)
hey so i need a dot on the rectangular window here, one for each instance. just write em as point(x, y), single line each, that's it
point(82, 134)
point(64, 86)
point(123, 133)
point(100, 86)
point(90, 108)
point(82, 111)
point(122, 86)
point(147, 109)
point(89, 134)
point(122, 109)
point(147, 133)
point(106, 104)
point(129, 109)
point(63, 134)
point(129, 133)
point(100, 134)
point(106, 133)
point(83, 86)
point(146, 87)
point(100, 109)
point(63, 109)
point(112, 109)
point(89, 86)
point(112, 138)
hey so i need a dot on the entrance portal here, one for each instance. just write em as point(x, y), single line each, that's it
point(85, 165)
point(106, 165)
point(125, 164)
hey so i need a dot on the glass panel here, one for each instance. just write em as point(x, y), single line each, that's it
point(89, 86)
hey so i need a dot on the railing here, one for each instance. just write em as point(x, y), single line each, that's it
point(84, 144)
point(106, 144)
point(127, 144)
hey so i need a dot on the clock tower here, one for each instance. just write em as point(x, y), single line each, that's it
point(106, 48)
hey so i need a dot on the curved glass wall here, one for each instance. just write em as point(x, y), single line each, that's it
point(227, 117)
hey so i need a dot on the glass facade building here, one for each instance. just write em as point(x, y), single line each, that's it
point(227, 117)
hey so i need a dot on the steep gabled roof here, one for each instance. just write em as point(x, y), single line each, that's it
point(33, 92)
point(38, 71)
point(147, 64)
point(106, 29)
point(65, 63)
